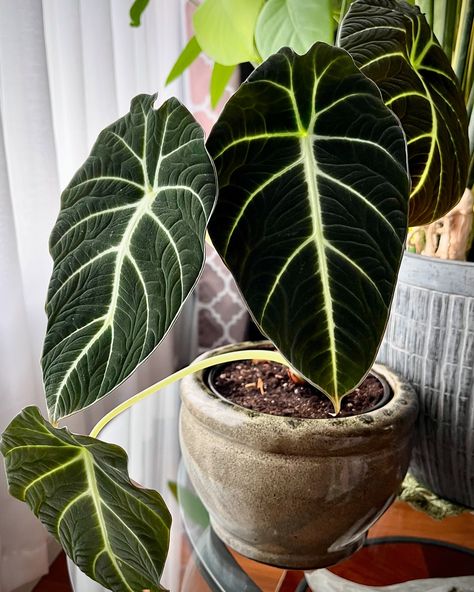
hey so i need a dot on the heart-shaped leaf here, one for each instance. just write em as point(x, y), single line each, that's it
point(115, 532)
point(128, 247)
point(293, 23)
point(393, 45)
point(225, 30)
point(312, 211)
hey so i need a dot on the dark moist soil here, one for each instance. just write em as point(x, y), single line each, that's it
point(267, 387)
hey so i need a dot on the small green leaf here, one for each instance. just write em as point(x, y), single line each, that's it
point(115, 532)
point(219, 79)
point(293, 23)
point(190, 504)
point(225, 30)
point(393, 45)
point(136, 11)
point(311, 217)
point(185, 59)
point(465, 32)
point(427, 8)
point(128, 248)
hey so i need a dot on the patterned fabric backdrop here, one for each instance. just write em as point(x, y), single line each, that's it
point(222, 316)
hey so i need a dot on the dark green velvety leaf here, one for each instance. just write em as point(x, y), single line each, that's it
point(312, 210)
point(393, 45)
point(128, 247)
point(115, 532)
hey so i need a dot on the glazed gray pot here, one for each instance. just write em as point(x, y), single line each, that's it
point(297, 493)
point(430, 342)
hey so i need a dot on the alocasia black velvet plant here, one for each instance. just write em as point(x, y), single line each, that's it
point(312, 159)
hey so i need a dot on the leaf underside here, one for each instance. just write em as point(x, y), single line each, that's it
point(79, 488)
point(128, 247)
point(393, 45)
point(312, 210)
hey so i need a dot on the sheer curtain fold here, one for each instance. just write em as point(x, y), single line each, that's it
point(68, 69)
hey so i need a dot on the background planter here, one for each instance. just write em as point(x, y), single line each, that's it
point(430, 341)
point(294, 493)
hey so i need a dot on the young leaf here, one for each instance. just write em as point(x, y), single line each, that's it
point(226, 31)
point(185, 59)
point(128, 247)
point(115, 532)
point(399, 52)
point(136, 11)
point(293, 23)
point(312, 209)
point(219, 79)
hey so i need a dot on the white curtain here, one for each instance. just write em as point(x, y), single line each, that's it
point(67, 69)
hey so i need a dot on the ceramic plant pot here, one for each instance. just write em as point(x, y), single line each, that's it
point(430, 341)
point(297, 493)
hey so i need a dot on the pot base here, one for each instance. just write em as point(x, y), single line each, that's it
point(284, 560)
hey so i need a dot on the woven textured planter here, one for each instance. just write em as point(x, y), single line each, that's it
point(430, 342)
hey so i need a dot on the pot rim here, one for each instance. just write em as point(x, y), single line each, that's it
point(449, 262)
point(209, 375)
point(437, 275)
point(389, 423)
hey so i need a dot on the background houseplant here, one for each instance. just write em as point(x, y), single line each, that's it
point(130, 165)
point(429, 335)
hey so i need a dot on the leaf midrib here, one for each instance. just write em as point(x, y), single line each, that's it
point(94, 490)
point(311, 172)
point(143, 206)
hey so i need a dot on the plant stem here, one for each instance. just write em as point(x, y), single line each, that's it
point(248, 354)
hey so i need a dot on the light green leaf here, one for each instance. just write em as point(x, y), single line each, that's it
point(427, 8)
point(115, 532)
point(185, 59)
point(293, 23)
point(225, 30)
point(219, 79)
point(136, 11)
point(312, 210)
point(393, 45)
point(465, 33)
point(190, 505)
point(128, 247)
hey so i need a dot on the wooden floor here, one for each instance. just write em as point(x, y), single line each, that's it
point(57, 580)
point(399, 520)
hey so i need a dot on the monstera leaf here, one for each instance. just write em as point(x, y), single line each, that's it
point(127, 250)
point(117, 533)
point(393, 45)
point(312, 211)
